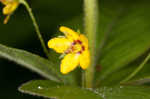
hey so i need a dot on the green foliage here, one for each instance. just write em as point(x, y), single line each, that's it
point(42, 66)
point(122, 41)
point(124, 92)
point(128, 39)
point(50, 89)
point(140, 78)
point(125, 27)
point(31, 61)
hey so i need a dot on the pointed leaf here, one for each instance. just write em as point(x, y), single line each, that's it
point(50, 89)
point(31, 61)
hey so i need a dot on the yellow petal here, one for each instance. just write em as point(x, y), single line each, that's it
point(69, 63)
point(5, 2)
point(85, 59)
point(10, 8)
point(69, 33)
point(60, 44)
point(84, 41)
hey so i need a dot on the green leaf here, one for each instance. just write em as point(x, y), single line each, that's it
point(124, 92)
point(50, 89)
point(142, 77)
point(31, 61)
point(129, 38)
point(116, 77)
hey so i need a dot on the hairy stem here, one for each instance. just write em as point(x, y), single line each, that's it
point(91, 22)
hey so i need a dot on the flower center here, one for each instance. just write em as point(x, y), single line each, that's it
point(76, 47)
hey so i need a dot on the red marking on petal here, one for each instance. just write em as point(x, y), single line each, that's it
point(78, 41)
point(83, 48)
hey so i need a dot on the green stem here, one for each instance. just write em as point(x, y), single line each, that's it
point(35, 26)
point(91, 22)
point(137, 69)
point(83, 79)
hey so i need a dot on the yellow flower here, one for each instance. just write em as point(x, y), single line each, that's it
point(75, 48)
point(10, 7)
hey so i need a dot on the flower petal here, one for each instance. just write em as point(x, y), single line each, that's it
point(69, 33)
point(60, 44)
point(5, 2)
point(84, 41)
point(85, 59)
point(10, 8)
point(69, 63)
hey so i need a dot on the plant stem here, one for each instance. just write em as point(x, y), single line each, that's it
point(137, 69)
point(91, 22)
point(35, 26)
point(83, 79)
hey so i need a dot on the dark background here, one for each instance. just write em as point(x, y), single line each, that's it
point(19, 33)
